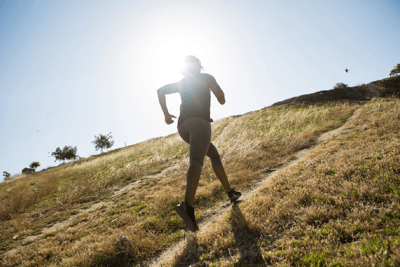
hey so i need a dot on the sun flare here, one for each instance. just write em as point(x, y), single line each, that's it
point(168, 45)
point(167, 58)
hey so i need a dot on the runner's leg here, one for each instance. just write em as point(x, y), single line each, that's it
point(218, 168)
point(192, 181)
point(199, 140)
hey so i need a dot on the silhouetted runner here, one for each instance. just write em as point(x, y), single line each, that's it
point(194, 126)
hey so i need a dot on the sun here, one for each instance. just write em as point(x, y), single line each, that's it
point(168, 44)
point(168, 55)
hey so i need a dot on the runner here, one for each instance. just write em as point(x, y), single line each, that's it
point(194, 126)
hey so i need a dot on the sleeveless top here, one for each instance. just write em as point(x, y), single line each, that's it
point(195, 97)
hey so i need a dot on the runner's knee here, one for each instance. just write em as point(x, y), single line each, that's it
point(216, 160)
point(213, 154)
point(197, 163)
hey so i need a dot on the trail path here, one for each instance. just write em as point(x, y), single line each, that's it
point(211, 214)
point(214, 213)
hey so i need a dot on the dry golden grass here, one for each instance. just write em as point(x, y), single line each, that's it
point(337, 207)
point(23, 195)
point(144, 215)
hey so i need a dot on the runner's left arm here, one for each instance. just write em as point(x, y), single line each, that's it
point(219, 94)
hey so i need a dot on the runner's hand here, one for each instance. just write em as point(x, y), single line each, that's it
point(168, 119)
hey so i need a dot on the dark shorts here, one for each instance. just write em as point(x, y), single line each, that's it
point(197, 133)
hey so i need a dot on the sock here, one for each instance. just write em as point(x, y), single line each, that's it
point(190, 212)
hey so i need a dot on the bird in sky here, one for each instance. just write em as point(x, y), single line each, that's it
point(346, 70)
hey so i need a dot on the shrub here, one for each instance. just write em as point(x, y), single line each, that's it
point(103, 141)
point(340, 86)
point(396, 70)
point(67, 153)
point(6, 175)
point(34, 164)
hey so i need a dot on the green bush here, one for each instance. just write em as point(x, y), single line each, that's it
point(395, 70)
point(67, 153)
point(6, 175)
point(34, 164)
point(340, 86)
point(103, 142)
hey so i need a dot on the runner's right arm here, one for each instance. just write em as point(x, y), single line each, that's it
point(166, 90)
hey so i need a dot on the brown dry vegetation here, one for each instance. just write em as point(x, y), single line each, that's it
point(55, 226)
point(340, 206)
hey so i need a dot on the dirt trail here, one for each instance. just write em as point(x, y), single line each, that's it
point(214, 213)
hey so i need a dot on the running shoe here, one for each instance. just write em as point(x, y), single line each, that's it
point(234, 195)
point(181, 210)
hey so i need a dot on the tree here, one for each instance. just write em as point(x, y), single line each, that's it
point(6, 175)
point(340, 86)
point(67, 153)
point(34, 164)
point(103, 141)
point(395, 70)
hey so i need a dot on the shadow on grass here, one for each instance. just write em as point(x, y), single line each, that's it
point(190, 255)
point(245, 242)
point(245, 245)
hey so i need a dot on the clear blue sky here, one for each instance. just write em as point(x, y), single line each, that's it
point(70, 70)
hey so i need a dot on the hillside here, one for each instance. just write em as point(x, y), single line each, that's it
point(381, 88)
point(333, 198)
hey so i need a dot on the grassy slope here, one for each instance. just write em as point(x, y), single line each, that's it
point(247, 144)
point(338, 207)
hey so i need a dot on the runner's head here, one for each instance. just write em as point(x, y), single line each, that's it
point(191, 65)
